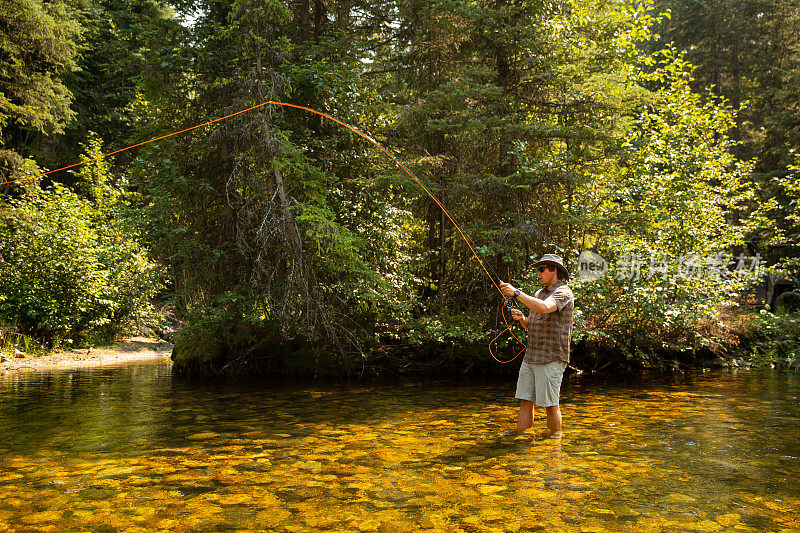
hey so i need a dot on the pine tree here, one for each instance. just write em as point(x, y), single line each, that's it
point(38, 46)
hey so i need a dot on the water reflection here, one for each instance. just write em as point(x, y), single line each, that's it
point(132, 449)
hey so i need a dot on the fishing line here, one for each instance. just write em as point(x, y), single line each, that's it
point(474, 251)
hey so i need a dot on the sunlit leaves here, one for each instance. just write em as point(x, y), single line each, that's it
point(73, 270)
point(678, 196)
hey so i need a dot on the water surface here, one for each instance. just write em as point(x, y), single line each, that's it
point(132, 449)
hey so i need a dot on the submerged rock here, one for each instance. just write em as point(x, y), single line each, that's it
point(677, 498)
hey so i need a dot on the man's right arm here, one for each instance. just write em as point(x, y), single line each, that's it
point(531, 302)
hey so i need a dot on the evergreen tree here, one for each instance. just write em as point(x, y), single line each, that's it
point(115, 65)
point(264, 220)
point(38, 45)
point(508, 106)
point(749, 52)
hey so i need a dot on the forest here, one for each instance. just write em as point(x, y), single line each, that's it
point(656, 140)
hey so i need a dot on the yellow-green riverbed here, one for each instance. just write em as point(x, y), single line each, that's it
point(133, 449)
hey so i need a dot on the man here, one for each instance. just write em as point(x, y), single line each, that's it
point(549, 326)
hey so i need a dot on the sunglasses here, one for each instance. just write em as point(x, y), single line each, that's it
point(543, 268)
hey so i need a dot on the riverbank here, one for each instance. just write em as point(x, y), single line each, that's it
point(133, 349)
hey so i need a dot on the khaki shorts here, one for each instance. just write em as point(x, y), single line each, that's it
point(540, 383)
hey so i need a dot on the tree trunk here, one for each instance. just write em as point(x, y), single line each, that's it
point(291, 226)
point(304, 19)
point(441, 258)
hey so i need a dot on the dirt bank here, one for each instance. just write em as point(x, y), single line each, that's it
point(134, 349)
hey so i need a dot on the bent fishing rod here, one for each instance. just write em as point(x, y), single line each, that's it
point(495, 279)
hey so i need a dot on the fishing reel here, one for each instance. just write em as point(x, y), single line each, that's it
point(511, 303)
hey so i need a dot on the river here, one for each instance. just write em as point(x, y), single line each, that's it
point(132, 448)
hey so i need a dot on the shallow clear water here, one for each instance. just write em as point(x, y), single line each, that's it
point(132, 449)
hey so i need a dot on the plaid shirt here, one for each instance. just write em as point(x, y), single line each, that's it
point(549, 333)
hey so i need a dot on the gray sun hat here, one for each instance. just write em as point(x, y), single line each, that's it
point(553, 260)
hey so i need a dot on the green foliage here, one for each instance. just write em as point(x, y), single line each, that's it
point(665, 222)
point(679, 181)
point(542, 127)
point(748, 52)
point(72, 270)
point(273, 214)
point(774, 340)
point(37, 47)
point(115, 64)
point(648, 321)
point(787, 209)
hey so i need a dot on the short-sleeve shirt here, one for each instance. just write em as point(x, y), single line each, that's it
point(549, 334)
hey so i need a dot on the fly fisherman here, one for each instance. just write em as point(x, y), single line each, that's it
point(549, 326)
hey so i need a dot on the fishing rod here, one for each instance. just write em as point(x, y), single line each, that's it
point(507, 302)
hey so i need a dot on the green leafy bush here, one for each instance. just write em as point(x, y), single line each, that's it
point(665, 228)
point(68, 273)
point(71, 268)
point(774, 340)
point(648, 321)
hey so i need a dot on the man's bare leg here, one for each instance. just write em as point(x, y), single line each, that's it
point(554, 420)
point(525, 419)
